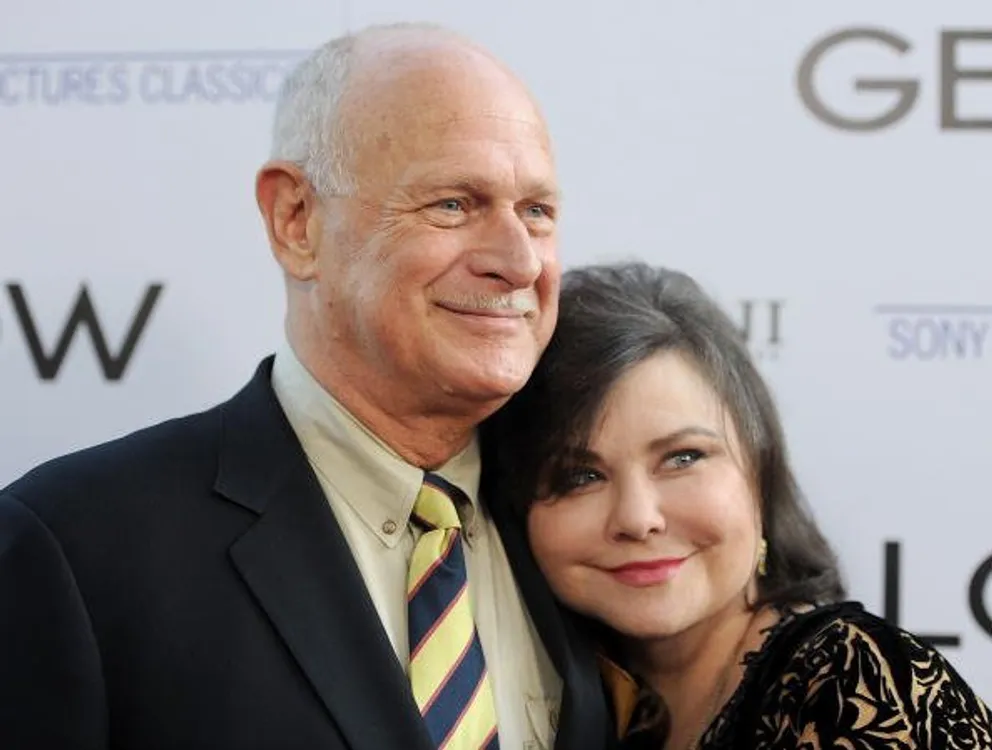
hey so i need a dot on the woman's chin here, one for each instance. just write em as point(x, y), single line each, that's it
point(646, 626)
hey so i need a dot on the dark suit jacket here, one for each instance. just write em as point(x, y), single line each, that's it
point(188, 587)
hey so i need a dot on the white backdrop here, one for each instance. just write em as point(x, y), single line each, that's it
point(130, 133)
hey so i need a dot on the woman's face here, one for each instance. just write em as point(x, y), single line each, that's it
point(657, 528)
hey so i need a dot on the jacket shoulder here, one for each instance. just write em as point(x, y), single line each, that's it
point(160, 454)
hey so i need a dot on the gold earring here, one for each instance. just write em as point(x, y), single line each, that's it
point(762, 557)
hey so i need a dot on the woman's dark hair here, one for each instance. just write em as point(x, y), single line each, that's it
point(611, 318)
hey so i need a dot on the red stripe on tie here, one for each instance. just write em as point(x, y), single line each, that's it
point(447, 677)
point(437, 622)
point(489, 738)
point(468, 705)
point(433, 566)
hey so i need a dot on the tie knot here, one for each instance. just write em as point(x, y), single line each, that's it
point(435, 504)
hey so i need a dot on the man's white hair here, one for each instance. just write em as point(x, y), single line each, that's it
point(307, 129)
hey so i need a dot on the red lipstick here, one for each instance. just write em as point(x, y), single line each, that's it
point(648, 572)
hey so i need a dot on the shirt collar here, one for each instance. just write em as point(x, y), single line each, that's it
point(359, 467)
point(622, 688)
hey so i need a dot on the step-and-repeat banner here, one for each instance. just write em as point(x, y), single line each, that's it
point(824, 168)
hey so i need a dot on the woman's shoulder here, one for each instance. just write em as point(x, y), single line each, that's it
point(842, 661)
point(847, 627)
point(846, 638)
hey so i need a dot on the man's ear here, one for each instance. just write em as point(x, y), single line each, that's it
point(288, 204)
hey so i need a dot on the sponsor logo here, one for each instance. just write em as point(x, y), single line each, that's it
point(48, 361)
point(105, 79)
point(977, 585)
point(760, 322)
point(936, 332)
point(887, 100)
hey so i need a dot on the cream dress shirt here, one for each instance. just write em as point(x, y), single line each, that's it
point(371, 491)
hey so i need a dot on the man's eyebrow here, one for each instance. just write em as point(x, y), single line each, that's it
point(475, 185)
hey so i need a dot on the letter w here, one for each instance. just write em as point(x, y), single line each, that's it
point(83, 314)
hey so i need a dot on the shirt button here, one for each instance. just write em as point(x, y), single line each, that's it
point(389, 527)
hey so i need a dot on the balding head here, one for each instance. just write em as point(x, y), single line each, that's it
point(412, 204)
point(353, 93)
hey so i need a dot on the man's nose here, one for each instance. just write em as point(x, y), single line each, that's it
point(508, 251)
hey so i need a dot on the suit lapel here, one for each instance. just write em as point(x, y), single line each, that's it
point(583, 721)
point(298, 565)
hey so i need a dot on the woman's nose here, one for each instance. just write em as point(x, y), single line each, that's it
point(637, 510)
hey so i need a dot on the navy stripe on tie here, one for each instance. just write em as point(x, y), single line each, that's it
point(458, 497)
point(452, 540)
point(453, 697)
point(493, 744)
point(436, 594)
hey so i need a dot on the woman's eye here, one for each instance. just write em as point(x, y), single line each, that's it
point(582, 477)
point(683, 459)
point(571, 480)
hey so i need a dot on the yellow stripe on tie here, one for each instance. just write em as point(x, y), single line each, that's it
point(477, 723)
point(433, 663)
point(435, 507)
point(447, 670)
point(426, 556)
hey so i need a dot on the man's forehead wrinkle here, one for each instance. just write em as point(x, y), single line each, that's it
point(398, 70)
point(411, 98)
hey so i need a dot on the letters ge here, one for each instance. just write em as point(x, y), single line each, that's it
point(899, 94)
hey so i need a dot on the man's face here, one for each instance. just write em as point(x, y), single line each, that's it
point(440, 275)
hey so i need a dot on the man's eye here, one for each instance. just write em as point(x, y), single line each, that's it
point(450, 204)
point(540, 211)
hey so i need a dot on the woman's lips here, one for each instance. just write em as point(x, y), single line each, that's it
point(647, 572)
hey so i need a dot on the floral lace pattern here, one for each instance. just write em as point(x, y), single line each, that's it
point(856, 683)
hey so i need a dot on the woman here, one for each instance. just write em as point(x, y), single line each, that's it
point(648, 462)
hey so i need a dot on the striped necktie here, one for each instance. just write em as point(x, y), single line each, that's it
point(447, 667)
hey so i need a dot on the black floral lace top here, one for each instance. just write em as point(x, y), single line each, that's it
point(839, 677)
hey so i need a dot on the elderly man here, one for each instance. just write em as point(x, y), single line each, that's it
point(309, 565)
